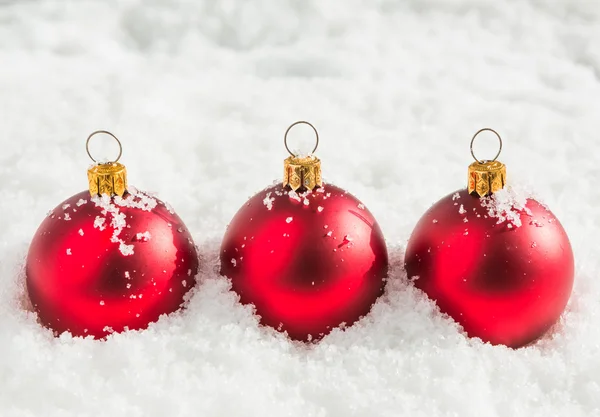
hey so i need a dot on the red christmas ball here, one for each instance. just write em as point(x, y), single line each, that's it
point(308, 262)
point(503, 272)
point(103, 264)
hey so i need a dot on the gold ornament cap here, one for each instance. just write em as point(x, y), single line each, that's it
point(106, 178)
point(486, 177)
point(302, 172)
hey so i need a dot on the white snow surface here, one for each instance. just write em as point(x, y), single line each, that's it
point(200, 94)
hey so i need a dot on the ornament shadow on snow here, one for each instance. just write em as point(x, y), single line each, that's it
point(109, 259)
point(309, 256)
point(494, 259)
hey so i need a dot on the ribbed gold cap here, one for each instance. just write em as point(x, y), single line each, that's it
point(302, 173)
point(486, 177)
point(110, 178)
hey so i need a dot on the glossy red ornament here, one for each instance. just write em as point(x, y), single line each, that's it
point(308, 262)
point(84, 277)
point(504, 284)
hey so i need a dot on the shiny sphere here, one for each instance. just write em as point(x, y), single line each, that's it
point(83, 279)
point(307, 262)
point(504, 284)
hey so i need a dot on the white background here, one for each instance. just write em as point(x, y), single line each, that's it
point(200, 93)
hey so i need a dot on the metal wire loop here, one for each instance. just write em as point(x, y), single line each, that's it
point(87, 144)
point(499, 140)
point(297, 123)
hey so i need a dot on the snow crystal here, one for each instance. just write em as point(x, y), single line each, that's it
point(68, 251)
point(81, 231)
point(99, 223)
point(143, 237)
point(136, 200)
point(118, 223)
point(65, 206)
point(289, 219)
point(233, 262)
point(126, 250)
point(67, 217)
point(461, 209)
point(294, 195)
point(81, 202)
point(361, 206)
point(268, 201)
point(507, 205)
point(305, 194)
point(456, 196)
point(320, 209)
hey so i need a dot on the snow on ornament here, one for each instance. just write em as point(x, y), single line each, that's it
point(110, 258)
point(309, 256)
point(500, 264)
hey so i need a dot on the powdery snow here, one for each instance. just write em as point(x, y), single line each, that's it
point(268, 201)
point(507, 205)
point(118, 220)
point(200, 94)
point(143, 237)
point(99, 222)
point(294, 196)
